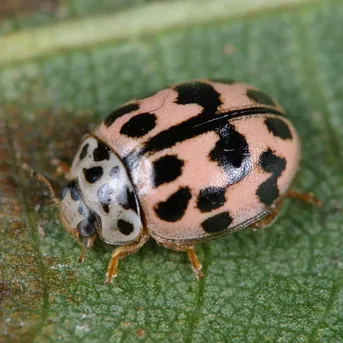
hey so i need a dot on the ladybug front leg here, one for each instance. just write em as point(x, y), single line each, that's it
point(88, 244)
point(122, 252)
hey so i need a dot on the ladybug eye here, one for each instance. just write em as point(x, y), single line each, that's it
point(86, 228)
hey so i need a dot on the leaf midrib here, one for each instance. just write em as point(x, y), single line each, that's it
point(95, 30)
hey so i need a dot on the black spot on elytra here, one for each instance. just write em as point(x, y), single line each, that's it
point(114, 172)
point(175, 206)
point(73, 189)
point(207, 120)
point(126, 228)
point(260, 98)
point(83, 152)
point(120, 112)
point(101, 152)
point(199, 93)
point(231, 152)
point(217, 223)
point(139, 125)
point(88, 226)
point(278, 128)
point(190, 128)
point(211, 198)
point(93, 174)
point(167, 169)
point(105, 196)
point(268, 191)
point(127, 200)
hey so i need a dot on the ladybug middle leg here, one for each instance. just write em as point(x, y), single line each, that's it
point(193, 258)
point(196, 265)
point(88, 244)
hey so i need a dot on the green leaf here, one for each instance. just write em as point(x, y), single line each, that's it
point(60, 77)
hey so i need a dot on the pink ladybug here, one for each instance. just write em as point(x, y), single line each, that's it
point(191, 163)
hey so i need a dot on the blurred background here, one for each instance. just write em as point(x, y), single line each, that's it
point(66, 64)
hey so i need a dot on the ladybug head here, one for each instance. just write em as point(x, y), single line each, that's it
point(100, 198)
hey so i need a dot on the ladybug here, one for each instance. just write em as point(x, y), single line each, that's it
point(189, 164)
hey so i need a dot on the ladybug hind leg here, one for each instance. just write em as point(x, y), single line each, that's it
point(308, 198)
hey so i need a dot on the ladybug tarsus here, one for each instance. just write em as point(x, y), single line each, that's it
point(82, 255)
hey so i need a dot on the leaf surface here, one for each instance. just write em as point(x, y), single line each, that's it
point(283, 283)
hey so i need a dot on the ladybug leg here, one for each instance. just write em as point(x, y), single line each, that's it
point(85, 243)
point(88, 244)
point(90, 241)
point(196, 265)
point(267, 220)
point(122, 252)
point(309, 198)
point(82, 255)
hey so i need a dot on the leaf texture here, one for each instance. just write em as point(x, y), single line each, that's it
point(283, 283)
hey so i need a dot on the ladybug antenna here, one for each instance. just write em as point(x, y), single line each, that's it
point(43, 179)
